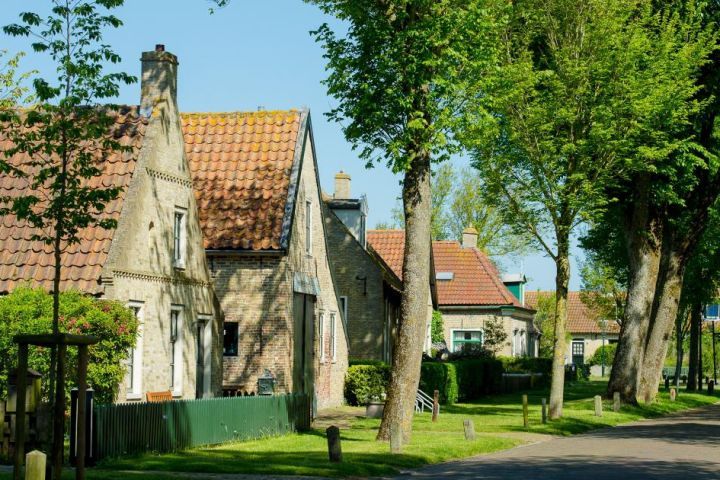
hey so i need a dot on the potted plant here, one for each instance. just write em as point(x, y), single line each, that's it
point(375, 406)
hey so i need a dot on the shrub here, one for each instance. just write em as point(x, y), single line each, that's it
point(527, 365)
point(441, 376)
point(366, 382)
point(606, 353)
point(29, 311)
point(437, 332)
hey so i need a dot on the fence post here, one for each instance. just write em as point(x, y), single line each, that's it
point(616, 402)
point(598, 406)
point(20, 388)
point(35, 465)
point(526, 420)
point(334, 446)
point(544, 411)
point(469, 428)
point(436, 405)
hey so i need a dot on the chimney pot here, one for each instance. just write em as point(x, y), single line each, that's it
point(469, 238)
point(159, 47)
point(342, 186)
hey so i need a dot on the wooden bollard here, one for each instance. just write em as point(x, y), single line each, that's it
point(544, 411)
point(711, 387)
point(673, 394)
point(598, 406)
point(333, 441)
point(526, 419)
point(395, 439)
point(616, 402)
point(436, 405)
point(35, 465)
point(469, 427)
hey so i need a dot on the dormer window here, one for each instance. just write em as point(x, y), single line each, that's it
point(445, 275)
point(179, 237)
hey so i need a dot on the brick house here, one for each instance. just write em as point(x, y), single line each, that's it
point(154, 261)
point(389, 246)
point(587, 330)
point(369, 289)
point(471, 292)
point(256, 182)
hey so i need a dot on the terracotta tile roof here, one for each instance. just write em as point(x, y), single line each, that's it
point(581, 319)
point(23, 259)
point(241, 164)
point(389, 245)
point(475, 278)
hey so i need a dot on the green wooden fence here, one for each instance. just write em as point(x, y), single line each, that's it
point(131, 428)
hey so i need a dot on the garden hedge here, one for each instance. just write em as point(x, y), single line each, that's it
point(366, 382)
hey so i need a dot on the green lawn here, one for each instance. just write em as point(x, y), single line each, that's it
point(498, 421)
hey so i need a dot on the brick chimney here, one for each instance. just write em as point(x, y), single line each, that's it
point(159, 79)
point(342, 186)
point(470, 238)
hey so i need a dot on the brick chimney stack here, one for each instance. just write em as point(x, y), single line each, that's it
point(158, 79)
point(342, 186)
point(470, 238)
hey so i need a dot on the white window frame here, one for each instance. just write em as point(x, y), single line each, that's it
point(321, 336)
point(333, 337)
point(176, 355)
point(207, 322)
point(179, 237)
point(514, 352)
point(308, 228)
point(135, 390)
point(523, 343)
point(344, 308)
point(452, 335)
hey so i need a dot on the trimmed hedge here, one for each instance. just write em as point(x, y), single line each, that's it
point(364, 383)
point(441, 376)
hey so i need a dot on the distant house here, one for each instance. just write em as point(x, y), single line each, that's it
point(389, 247)
point(263, 222)
point(369, 289)
point(587, 330)
point(154, 261)
point(471, 292)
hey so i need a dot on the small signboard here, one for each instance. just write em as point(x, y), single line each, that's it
point(712, 312)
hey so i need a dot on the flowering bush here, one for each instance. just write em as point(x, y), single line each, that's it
point(29, 311)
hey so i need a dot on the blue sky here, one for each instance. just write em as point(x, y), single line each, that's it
point(254, 53)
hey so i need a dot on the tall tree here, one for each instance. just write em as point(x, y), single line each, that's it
point(65, 138)
point(396, 73)
point(575, 91)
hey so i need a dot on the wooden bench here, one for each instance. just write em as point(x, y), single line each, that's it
point(159, 396)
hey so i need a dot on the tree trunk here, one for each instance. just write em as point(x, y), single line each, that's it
point(643, 243)
point(669, 289)
point(407, 355)
point(562, 278)
point(695, 324)
point(680, 322)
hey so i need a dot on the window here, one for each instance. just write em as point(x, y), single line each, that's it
point(523, 343)
point(133, 377)
point(179, 240)
point(514, 352)
point(321, 336)
point(230, 339)
point(333, 352)
point(176, 329)
point(343, 308)
point(308, 227)
point(466, 339)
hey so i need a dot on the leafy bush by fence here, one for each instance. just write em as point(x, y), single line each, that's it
point(440, 376)
point(133, 428)
point(364, 383)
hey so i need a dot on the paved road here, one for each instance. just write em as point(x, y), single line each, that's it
point(683, 447)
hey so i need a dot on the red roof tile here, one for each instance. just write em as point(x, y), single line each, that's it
point(241, 164)
point(475, 279)
point(581, 319)
point(389, 245)
point(23, 259)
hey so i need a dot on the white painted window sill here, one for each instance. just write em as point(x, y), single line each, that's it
point(177, 394)
point(134, 396)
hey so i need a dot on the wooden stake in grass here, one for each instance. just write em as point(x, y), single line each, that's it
point(35, 465)
point(526, 419)
point(673, 394)
point(469, 427)
point(334, 446)
point(544, 411)
point(598, 406)
point(395, 439)
point(436, 405)
point(616, 402)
